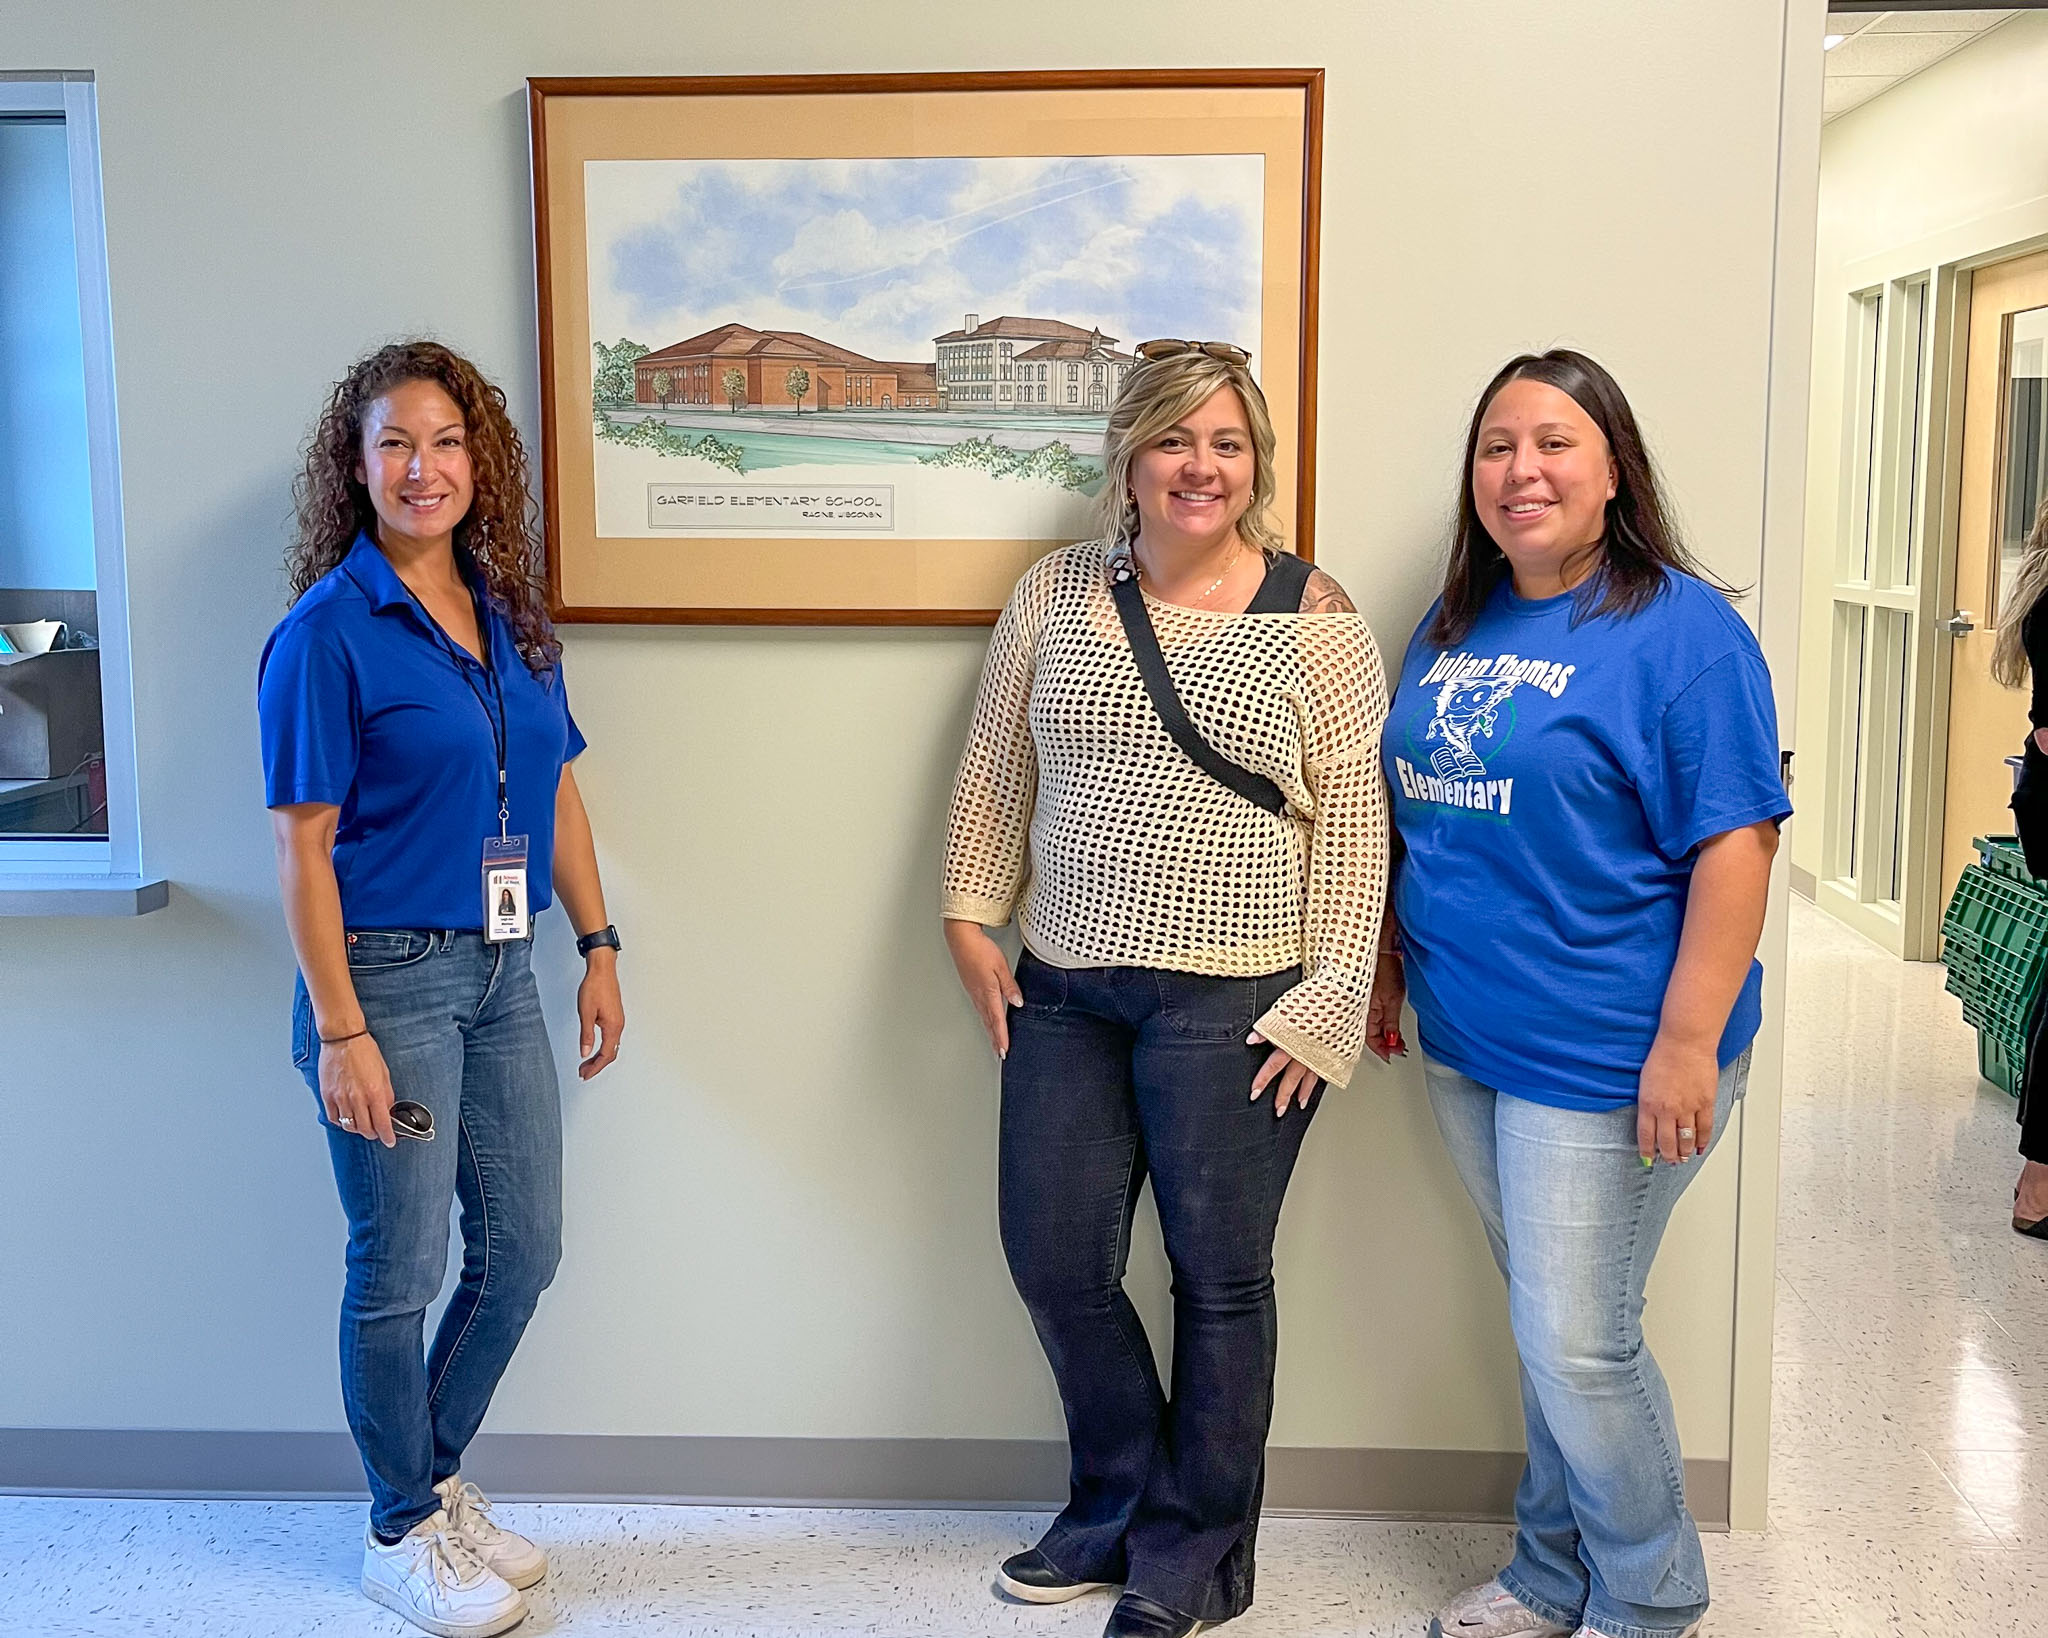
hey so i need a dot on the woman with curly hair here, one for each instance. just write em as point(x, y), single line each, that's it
point(416, 750)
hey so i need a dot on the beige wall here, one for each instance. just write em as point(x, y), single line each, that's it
point(781, 1200)
point(1948, 167)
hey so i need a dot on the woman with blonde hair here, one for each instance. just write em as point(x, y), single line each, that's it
point(2021, 653)
point(1172, 783)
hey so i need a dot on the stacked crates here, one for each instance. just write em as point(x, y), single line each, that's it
point(1994, 938)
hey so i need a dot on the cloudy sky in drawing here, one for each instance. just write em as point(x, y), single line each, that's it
point(881, 255)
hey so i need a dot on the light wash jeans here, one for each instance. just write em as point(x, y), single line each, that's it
point(1602, 1535)
point(459, 1024)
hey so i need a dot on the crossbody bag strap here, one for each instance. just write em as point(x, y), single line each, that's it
point(1130, 607)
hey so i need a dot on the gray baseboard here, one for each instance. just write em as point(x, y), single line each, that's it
point(1804, 884)
point(964, 1473)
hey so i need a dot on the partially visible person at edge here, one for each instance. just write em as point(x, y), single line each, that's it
point(413, 712)
point(1195, 966)
point(1582, 755)
point(2021, 652)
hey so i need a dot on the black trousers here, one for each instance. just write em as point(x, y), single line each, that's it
point(2030, 818)
point(2033, 1113)
point(1115, 1074)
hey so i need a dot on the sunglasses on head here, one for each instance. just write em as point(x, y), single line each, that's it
point(1167, 347)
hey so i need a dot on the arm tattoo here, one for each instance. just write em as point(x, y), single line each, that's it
point(1322, 595)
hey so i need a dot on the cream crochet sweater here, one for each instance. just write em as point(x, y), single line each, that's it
point(1075, 811)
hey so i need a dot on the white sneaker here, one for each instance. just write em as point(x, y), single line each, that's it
point(1492, 1611)
point(435, 1579)
point(515, 1558)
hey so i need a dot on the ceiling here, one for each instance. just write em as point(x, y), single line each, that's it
point(1880, 48)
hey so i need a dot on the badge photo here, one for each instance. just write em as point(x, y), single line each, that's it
point(505, 913)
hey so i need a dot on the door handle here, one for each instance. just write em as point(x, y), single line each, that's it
point(1959, 624)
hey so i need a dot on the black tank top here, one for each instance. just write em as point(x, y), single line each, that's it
point(1280, 592)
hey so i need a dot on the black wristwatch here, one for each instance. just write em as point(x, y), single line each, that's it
point(605, 938)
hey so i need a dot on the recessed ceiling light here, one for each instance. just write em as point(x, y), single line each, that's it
point(1832, 41)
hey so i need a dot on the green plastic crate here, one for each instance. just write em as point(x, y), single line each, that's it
point(2001, 856)
point(1995, 943)
point(1997, 1066)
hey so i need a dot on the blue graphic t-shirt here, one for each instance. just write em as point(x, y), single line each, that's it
point(1550, 779)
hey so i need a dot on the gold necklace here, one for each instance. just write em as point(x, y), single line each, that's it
point(1230, 563)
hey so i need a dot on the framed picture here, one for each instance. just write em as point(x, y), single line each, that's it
point(839, 349)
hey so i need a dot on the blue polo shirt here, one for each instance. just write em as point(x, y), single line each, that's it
point(366, 704)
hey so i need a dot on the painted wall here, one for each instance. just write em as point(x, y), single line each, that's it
point(1952, 155)
point(45, 473)
point(781, 1200)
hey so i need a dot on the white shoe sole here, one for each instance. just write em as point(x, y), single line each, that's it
point(1027, 1594)
point(527, 1578)
point(394, 1600)
point(1692, 1631)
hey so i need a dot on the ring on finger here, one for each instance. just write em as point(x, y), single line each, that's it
point(1686, 1132)
point(348, 1123)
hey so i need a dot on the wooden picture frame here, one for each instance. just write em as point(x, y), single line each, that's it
point(772, 441)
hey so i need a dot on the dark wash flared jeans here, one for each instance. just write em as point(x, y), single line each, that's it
point(1116, 1074)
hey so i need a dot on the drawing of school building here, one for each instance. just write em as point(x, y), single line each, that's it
point(737, 364)
point(1028, 364)
point(1008, 363)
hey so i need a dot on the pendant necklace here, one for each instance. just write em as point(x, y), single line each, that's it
point(1230, 563)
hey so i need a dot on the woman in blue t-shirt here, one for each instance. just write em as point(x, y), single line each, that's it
point(416, 750)
point(1583, 759)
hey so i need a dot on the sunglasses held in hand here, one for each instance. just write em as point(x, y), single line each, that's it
point(413, 1120)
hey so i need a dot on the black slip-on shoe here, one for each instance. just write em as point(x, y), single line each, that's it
point(2036, 1230)
point(1137, 1616)
point(1033, 1577)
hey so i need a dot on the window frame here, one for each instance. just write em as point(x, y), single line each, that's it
point(42, 876)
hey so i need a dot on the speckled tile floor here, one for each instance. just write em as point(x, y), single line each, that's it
point(1909, 1485)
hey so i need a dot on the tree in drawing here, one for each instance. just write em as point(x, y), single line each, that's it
point(612, 382)
point(796, 384)
point(734, 385)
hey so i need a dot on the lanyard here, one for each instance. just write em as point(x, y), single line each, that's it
point(498, 725)
point(462, 663)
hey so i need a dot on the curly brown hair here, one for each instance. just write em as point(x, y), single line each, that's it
point(499, 534)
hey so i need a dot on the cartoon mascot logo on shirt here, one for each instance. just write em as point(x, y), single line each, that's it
point(1465, 711)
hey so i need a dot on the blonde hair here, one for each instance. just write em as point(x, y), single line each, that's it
point(2009, 654)
point(1158, 394)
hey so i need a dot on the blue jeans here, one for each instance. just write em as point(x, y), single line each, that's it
point(1114, 1074)
point(1603, 1535)
point(459, 1024)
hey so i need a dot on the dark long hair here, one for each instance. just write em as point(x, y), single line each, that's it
point(1639, 542)
point(499, 533)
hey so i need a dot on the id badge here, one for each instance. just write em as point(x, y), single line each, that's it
point(505, 913)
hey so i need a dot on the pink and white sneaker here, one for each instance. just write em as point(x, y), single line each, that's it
point(1491, 1611)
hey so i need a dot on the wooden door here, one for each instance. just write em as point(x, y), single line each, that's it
point(2002, 485)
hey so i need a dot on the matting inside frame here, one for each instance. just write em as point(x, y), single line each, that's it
point(801, 394)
